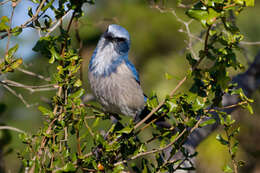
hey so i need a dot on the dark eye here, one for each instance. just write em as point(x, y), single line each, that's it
point(118, 39)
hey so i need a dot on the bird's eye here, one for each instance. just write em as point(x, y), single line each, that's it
point(109, 37)
point(118, 39)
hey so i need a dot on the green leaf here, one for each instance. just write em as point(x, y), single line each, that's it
point(200, 15)
point(191, 60)
point(250, 109)
point(78, 83)
point(119, 168)
point(168, 76)
point(52, 59)
point(208, 122)
point(69, 167)
point(125, 130)
point(171, 104)
point(4, 23)
point(222, 140)
point(250, 3)
point(12, 50)
point(227, 169)
point(30, 13)
point(96, 122)
point(78, 94)
point(55, 54)
point(16, 63)
point(16, 31)
point(234, 148)
point(192, 121)
point(45, 111)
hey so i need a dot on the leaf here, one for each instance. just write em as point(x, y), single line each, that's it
point(227, 169)
point(208, 122)
point(250, 3)
point(168, 76)
point(55, 54)
point(125, 130)
point(191, 60)
point(4, 23)
point(250, 109)
point(52, 60)
point(30, 13)
point(200, 15)
point(234, 148)
point(16, 31)
point(171, 104)
point(12, 50)
point(222, 140)
point(69, 167)
point(16, 63)
point(192, 121)
point(45, 111)
point(119, 168)
point(78, 83)
point(78, 93)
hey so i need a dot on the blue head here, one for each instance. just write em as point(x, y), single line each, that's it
point(112, 49)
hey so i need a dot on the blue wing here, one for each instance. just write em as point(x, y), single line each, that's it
point(134, 71)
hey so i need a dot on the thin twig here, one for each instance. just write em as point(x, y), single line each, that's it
point(35, 16)
point(250, 43)
point(33, 74)
point(17, 95)
point(2, 3)
point(162, 148)
point(11, 128)
point(89, 129)
point(57, 24)
point(32, 89)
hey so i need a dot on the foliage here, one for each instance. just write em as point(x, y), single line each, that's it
point(68, 118)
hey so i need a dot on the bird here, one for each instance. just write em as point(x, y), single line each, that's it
point(113, 79)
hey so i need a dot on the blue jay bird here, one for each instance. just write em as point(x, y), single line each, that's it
point(113, 78)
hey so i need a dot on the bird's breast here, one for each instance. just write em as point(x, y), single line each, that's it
point(118, 92)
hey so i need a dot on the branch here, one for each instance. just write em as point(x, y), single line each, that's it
point(249, 82)
point(17, 95)
point(250, 43)
point(11, 128)
point(57, 24)
point(180, 83)
point(33, 74)
point(32, 89)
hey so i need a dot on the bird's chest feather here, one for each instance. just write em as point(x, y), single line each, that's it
point(118, 92)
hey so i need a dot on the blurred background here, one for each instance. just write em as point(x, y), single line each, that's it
point(157, 49)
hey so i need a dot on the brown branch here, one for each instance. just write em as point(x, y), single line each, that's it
point(35, 16)
point(162, 148)
point(32, 89)
point(34, 74)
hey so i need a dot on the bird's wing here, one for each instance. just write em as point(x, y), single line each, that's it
point(133, 70)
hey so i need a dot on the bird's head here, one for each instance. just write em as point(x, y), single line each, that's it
point(117, 37)
point(112, 50)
